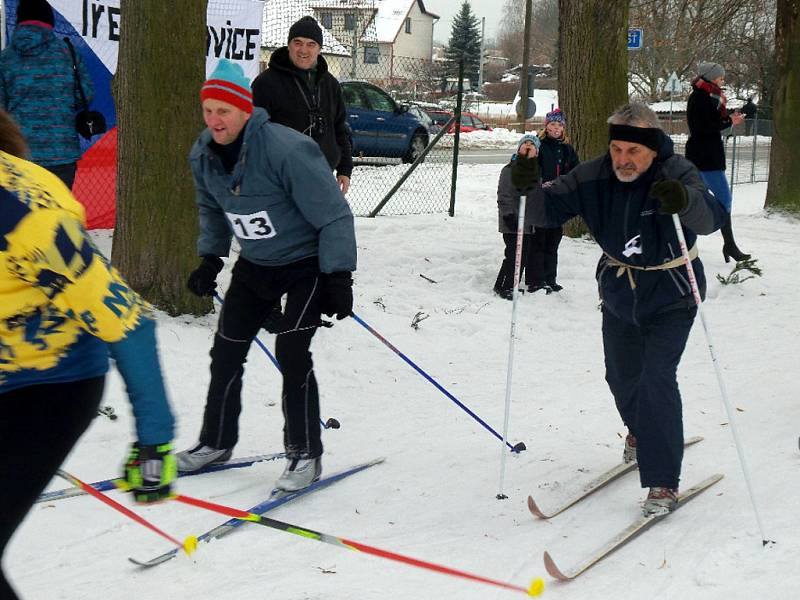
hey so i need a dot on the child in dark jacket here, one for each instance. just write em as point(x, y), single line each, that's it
point(556, 157)
point(507, 212)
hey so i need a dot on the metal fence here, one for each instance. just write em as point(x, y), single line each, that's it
point(414, 86)
point(747, 151)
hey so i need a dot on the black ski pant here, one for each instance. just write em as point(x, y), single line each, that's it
point(505, 278)
point(641, 370)
point(542, 267)
point(253, 292)
point(39, 427)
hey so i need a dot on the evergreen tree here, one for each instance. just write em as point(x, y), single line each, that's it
point(465, 43)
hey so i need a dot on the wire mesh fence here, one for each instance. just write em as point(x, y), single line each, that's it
point(747, 151)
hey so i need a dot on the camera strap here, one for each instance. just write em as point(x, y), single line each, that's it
point(76, 75)
point(311, 109)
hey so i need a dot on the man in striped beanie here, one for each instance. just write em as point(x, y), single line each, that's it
point(227, 89)
point(272, 188)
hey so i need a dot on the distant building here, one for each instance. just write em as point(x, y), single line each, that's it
point(362, 39)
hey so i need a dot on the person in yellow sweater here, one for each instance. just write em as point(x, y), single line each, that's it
point(63, 309)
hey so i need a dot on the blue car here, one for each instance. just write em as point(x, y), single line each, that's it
point(380, 126)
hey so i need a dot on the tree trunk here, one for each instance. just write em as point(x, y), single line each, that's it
point(161, 67)
point(592, 74)
point(783, 189)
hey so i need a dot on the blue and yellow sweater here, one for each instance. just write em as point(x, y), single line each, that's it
point(63, 307)
point(37, 88)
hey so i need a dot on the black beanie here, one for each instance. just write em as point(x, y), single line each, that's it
point(306, 27)
point(35, 10)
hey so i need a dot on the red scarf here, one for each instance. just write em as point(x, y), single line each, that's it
point(713, 90)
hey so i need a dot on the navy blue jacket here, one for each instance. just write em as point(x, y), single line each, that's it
point(619, 214)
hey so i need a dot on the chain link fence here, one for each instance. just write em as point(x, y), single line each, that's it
point(747, 150)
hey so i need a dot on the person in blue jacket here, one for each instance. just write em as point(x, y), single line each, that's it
point(39, 91)
point(627, 198)
point(63, 309)
point(272, 188)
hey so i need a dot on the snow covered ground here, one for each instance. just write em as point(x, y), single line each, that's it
point(434, 497)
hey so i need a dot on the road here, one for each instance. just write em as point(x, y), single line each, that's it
point(485, 156)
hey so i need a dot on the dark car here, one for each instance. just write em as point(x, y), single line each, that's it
point(380, 126)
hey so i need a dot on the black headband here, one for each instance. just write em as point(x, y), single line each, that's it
point(646, 136)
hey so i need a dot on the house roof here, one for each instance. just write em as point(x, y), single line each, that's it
point(391, 16)
point(280, 15)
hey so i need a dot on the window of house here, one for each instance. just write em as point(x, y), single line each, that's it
point(408, 24)
point(371, 55)
point(326, 20)
point(349, 22)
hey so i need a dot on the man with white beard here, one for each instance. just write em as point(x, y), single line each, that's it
point(627, 198)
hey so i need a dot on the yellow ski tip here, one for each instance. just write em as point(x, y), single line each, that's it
point(121, 484)
point(190, 544)
point(537, 587)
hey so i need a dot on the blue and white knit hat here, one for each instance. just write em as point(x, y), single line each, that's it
point(528, 137)
point(556, 115)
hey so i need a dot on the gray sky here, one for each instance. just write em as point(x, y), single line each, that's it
point(447, 9)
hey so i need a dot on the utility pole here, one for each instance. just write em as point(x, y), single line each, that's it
point(522, 107)
point(483, 45)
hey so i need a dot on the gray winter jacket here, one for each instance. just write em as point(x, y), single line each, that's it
point(281, 201)
point(508, 202)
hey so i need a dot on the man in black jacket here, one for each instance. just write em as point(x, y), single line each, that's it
point(298, 91)
point(627, 198)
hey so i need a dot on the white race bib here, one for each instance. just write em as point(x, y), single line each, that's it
point(255, 226)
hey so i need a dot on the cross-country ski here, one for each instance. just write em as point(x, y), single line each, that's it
point(277, 498)
point(637, 527)
point(593, 486)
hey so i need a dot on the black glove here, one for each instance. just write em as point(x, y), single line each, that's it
point(150, 471)
point(510, 221)
point(203, 280)
point(337, 294)
point(524, 173)
point(671, 195)
point(274, 319)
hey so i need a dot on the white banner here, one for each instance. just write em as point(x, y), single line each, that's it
point(233, 30)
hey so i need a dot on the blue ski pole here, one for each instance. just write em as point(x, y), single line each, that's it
point(331, 423)
point(518, 447)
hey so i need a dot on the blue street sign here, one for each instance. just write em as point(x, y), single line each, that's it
point(634, 38)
